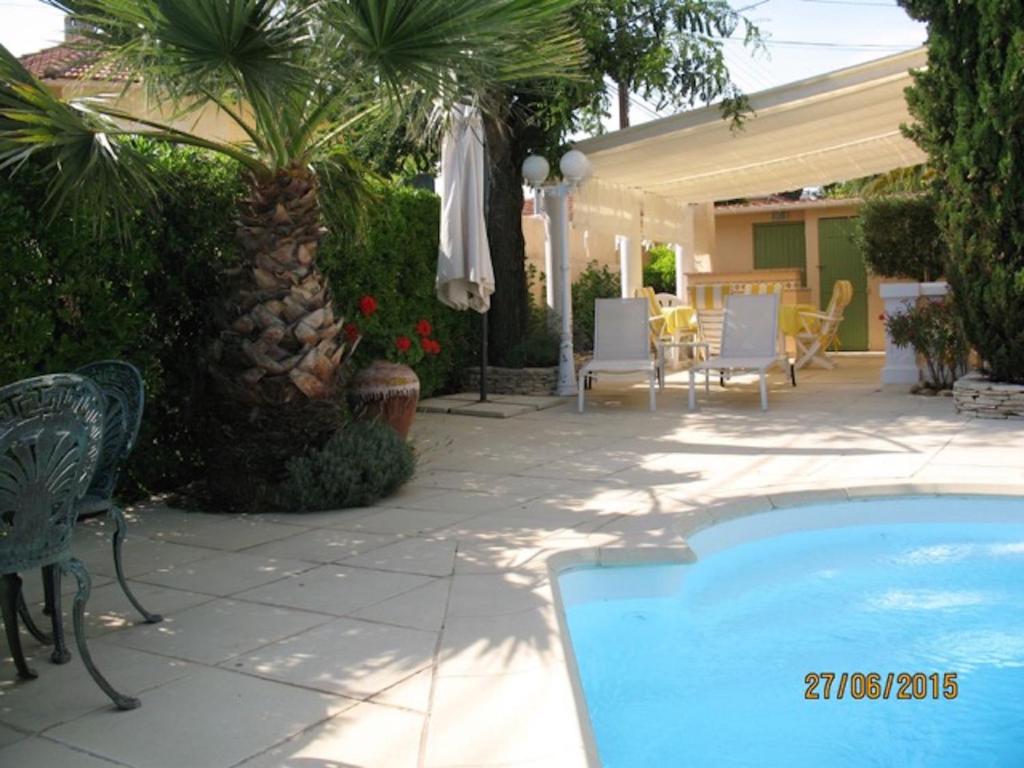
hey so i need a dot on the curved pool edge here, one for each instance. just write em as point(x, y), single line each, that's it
point(721, 511)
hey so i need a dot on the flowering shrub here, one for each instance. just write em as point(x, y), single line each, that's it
point(393, 258)
point(397, 345)
point(935, 332)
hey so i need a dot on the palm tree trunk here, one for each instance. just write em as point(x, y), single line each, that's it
point(275, 363)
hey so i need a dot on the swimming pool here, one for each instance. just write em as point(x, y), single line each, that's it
point(709, 664)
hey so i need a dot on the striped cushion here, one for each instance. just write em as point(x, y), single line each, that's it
point(708, 296)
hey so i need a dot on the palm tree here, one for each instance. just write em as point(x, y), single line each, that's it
point(294, 76)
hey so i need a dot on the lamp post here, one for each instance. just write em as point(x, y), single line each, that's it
point(575, 168)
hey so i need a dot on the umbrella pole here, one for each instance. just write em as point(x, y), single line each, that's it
point(483, 357)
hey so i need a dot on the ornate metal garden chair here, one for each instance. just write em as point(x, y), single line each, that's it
point(51, 431)
point(124, 395)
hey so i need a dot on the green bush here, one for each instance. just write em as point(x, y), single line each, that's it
point(364, 461)
point(394, 259)
point(593, 283)
point(968, 104)
point(660, 271)
point(934, 331)
point(899, 236)
point(73, 293)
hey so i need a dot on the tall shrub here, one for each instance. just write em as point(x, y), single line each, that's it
point(73, 294)
point(899, 236)
point(969, 106)
point(593, 283)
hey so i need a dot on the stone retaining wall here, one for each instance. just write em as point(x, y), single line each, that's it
point(513, 381)
point(976, 395)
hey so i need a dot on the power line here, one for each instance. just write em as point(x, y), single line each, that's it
point(836, 46)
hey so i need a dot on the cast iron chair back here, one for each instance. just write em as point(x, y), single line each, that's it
point(124, 395)
point(51, 428)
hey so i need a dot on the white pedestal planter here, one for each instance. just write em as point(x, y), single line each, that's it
point(901, 362)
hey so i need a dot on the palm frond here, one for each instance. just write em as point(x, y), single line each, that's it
point(448, 48)
point(85, 145)
point(89, 166)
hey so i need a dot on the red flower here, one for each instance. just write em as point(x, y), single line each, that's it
point(430, 346)
point(367, 305)
point(351, 331)
point(423, 328)
point(403, 343)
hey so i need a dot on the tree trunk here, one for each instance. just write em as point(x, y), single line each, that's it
point(509, 315)
point(275, 364)
point(623, 91)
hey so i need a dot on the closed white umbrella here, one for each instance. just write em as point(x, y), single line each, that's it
point(465, 277)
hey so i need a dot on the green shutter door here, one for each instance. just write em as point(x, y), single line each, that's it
point(781, 245)
point(841, 260)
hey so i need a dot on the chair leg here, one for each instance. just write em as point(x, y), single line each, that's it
point(10, 591)
point(77, 569)
point(652, 385)
point(693, 388)
point(792, 373)
point(30, 623)
point(764, 391)
point(47, 594)
point(60, 653)
point(120, 531)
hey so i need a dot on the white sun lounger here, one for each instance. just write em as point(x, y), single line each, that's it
point(622, 343)
point(750, 341)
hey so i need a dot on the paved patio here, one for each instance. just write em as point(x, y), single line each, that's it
point(421, 632)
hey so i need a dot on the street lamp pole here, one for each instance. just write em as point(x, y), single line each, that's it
point(575, 167)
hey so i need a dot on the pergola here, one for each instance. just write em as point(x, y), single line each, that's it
point(832, 127)
point(646, 180)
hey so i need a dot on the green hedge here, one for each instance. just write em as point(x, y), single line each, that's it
point(73, 293)
point(394, 259)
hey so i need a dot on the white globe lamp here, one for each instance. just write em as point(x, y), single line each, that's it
point(535, 170)
point(575, 166)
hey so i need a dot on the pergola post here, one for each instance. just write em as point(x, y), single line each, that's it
point(631, 270)
point(684, 264)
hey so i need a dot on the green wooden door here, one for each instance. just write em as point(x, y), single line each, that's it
point(781, 245)
point(841, 260)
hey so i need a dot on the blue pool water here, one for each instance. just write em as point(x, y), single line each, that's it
point(705, 664)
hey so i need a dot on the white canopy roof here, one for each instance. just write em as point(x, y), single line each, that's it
point(832, 127)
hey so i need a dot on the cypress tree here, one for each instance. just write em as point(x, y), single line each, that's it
point(969, 108)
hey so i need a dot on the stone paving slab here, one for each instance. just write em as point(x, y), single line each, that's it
point(492, 410)
point(420, 632)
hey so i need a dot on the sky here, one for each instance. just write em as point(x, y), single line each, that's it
point(803, 38)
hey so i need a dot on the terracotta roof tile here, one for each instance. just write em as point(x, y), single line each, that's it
point(66, 62)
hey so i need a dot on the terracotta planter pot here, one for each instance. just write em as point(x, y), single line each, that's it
point(385, 392)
